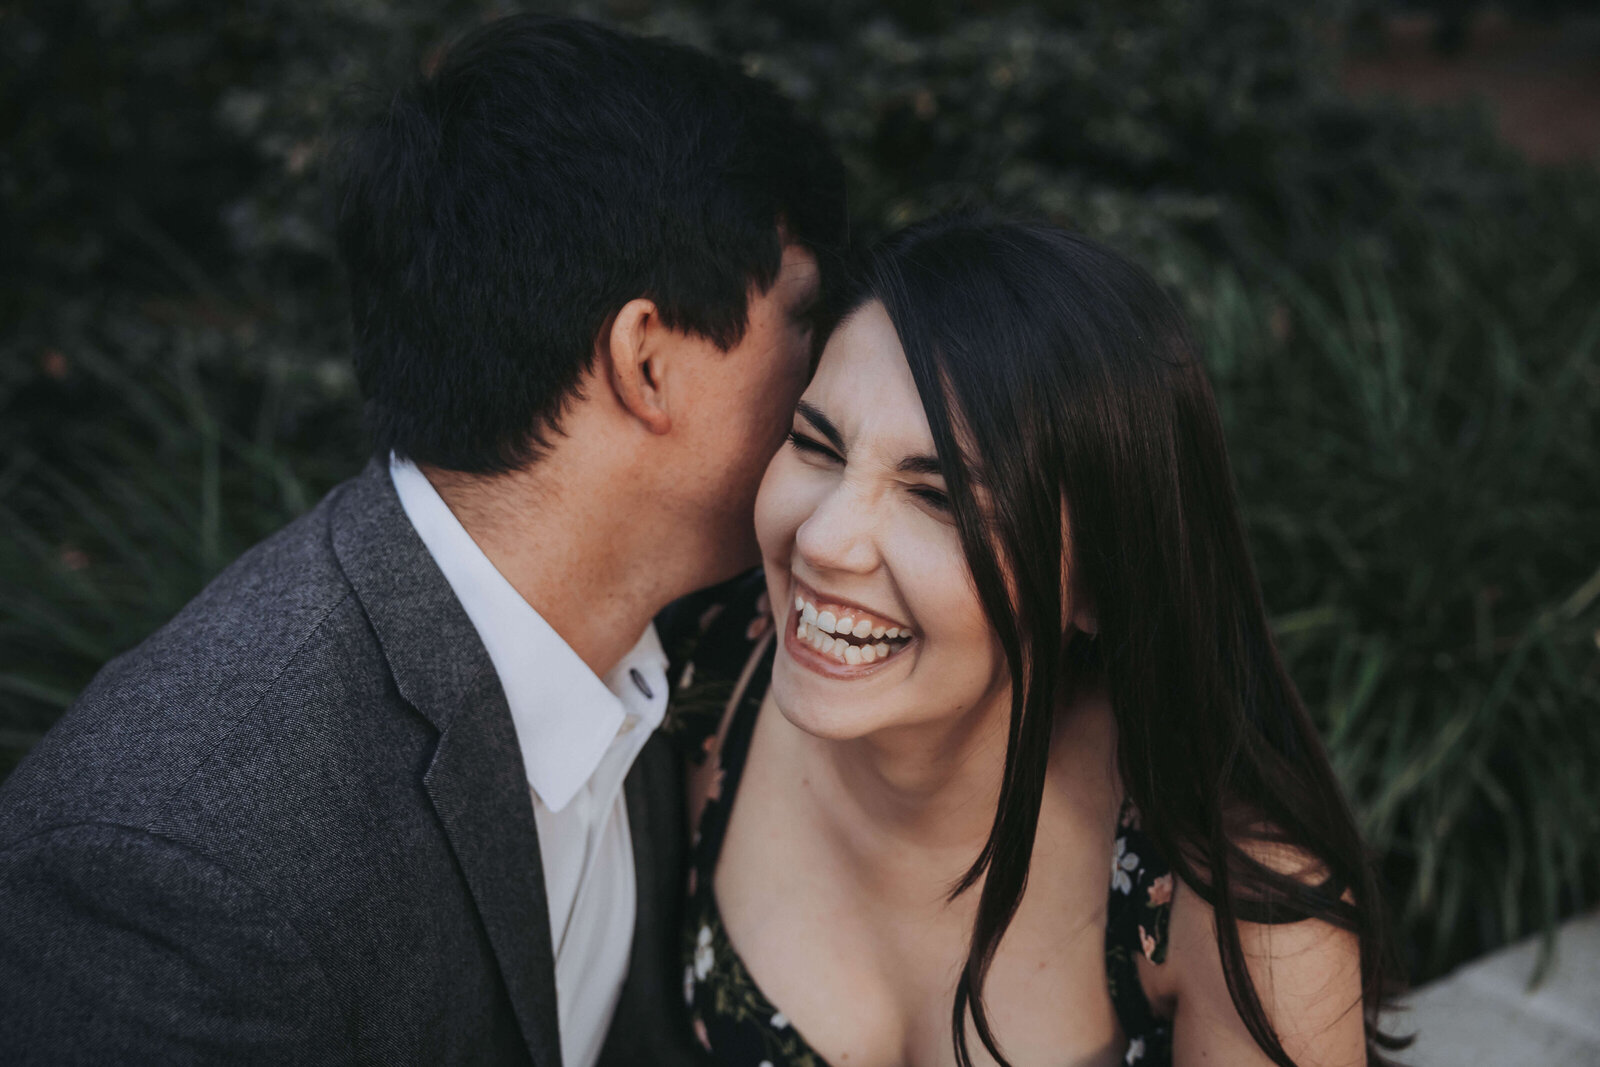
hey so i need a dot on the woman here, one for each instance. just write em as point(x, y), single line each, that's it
point(1019, 648)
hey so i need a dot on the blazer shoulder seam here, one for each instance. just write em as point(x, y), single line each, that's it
point(270, 688)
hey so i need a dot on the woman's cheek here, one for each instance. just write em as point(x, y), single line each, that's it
point(932, 570)
point(776, 501)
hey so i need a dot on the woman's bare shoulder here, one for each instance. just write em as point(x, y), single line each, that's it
point(1307, 974)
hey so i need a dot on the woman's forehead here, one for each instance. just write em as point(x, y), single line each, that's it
point(864, 385)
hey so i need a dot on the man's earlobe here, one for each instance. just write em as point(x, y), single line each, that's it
point(633, 352)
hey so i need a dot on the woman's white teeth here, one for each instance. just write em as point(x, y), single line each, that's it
point(819, 629)
point(824, 643)
point(860, 626)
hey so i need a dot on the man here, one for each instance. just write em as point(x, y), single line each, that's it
point(363, 800)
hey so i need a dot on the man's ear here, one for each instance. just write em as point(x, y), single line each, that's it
point(632, 351)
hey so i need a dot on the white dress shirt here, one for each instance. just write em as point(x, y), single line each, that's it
point(579, 734)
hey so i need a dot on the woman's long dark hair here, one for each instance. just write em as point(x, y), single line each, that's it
point(1062, 376)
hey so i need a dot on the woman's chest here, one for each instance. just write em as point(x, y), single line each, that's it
point(867, 974)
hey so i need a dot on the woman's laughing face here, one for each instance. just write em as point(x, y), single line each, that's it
point(880, 624)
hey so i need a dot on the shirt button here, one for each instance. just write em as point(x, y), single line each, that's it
point(638, 680)
point(628, 723)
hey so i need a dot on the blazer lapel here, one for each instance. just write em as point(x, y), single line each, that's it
point(651, 1024)
point(655, 800)
point(483, 801)
point(476, 780)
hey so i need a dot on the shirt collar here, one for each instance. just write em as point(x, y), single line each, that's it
point(565, 716)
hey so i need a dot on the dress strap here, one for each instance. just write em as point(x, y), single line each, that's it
point(730, 751)
point(1136, 925)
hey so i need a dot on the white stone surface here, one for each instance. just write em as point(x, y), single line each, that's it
point(1484, 1014)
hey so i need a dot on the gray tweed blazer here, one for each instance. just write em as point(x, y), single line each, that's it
point(293, 827)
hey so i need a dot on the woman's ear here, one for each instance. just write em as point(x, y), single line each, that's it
point(1077, 606)
point(633, 350)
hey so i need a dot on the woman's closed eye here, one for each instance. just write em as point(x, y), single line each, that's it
point(813, 447)
point(930, 495)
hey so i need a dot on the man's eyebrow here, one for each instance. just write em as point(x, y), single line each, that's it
point(823, 425)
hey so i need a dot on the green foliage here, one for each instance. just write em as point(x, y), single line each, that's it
point(1418, 477)
point(1399, 317)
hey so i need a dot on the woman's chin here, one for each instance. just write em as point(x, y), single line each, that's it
point(826, 717)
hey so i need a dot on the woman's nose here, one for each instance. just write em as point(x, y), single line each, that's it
point(839, 533)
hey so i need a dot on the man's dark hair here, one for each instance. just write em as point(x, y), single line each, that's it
point(503, 206)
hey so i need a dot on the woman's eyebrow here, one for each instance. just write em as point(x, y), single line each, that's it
point(821, 423)
point(931, 467)
point(928, 465)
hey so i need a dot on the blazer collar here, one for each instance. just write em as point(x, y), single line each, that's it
point(476, 780)
point(566, 717)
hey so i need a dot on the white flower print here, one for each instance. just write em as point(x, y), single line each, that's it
point(704, 957)
point(1135, 1051)
point(1122, 863)
point(779, 1020)
point(688, 986)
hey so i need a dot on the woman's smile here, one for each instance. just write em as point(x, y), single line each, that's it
point(839, 639)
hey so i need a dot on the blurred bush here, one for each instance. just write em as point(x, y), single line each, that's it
point(1400, 318)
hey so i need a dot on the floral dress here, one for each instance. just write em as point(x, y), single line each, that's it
point(729, 658)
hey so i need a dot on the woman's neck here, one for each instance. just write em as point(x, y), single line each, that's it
point(919, 801)
point(910, 808)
